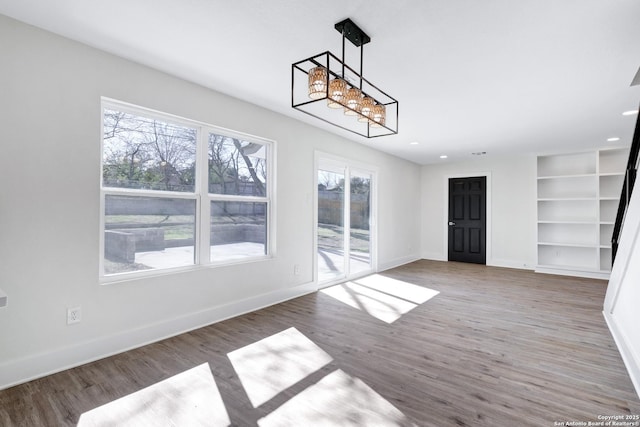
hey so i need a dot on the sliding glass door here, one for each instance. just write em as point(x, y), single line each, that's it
point(360, 223)
point(344, 222)
point(331, 219)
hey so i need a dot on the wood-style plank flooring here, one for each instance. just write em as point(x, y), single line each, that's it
point(494, 347)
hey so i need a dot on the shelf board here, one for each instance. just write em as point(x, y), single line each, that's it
point(584, 175)
point(543, 221)
point(566, 199)
point(611, 174)
point(569, 267)
point(605, 246)
point(610, 198)
point(569, 245)
point(579, 271)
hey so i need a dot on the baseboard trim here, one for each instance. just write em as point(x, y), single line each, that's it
point(490, 262)
point(397, 262)
point(630, 358)
point(433, 256)
point(509, 264)
point(25, 369)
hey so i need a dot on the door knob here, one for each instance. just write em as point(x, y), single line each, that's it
point(452, 223)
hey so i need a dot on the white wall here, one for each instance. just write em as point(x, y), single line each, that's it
point(623, 293)
point(50, 91)
point(511, 204)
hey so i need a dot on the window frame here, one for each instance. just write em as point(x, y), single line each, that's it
point(201, 195)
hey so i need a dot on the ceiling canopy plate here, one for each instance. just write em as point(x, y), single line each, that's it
point(352, 32)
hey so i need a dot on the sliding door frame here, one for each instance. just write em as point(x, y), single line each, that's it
point(331, 162)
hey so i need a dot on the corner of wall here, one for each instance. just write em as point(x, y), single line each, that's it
point(434, 256)
point(397, 262)
point(620, 304)
point(630, 358)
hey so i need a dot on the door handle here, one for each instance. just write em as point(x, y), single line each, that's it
point(452, 223)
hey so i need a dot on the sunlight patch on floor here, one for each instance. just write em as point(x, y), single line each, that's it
point(189, 398)
point(273, 364)
point(336, 400)
point(398, 288)
point(382, 297)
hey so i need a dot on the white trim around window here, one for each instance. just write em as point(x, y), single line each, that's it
point(179, 194)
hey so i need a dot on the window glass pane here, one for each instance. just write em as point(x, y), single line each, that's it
point(237, 167)
point(145, 153)
point(359, 243)
point(331, 198)
point(146, 233)
point(238, 230)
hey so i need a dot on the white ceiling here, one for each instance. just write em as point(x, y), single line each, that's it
point(500, 76)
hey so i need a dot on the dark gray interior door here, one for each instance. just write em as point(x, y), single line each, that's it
point(467, 219)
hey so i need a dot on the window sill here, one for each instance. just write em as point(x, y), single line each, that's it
point(149, 274)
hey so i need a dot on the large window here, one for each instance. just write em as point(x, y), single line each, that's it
point(178, 193)
point(238, 196)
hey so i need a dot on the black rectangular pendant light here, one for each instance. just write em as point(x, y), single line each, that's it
point(325, 87)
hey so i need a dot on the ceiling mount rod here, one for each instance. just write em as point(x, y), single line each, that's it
point(361, 59)
point(355, 35)
point(343, 38)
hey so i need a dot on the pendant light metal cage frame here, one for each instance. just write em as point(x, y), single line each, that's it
point(354, 121)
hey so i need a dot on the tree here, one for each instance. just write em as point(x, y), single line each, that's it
point(330, 180)
point(147, 153)
point(141, 152)
point(244, 151)
point(236, 166)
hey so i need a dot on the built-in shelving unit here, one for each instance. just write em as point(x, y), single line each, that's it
point(578, 198)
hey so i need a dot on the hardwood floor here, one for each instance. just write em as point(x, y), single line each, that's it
point(494, 347)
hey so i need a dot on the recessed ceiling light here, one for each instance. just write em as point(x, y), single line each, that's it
point(444, 156)
point(630, 113)
point(613, 139)
point(413, 143)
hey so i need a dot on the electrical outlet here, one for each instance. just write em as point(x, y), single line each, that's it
point(74, 315)
point(296, 270)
